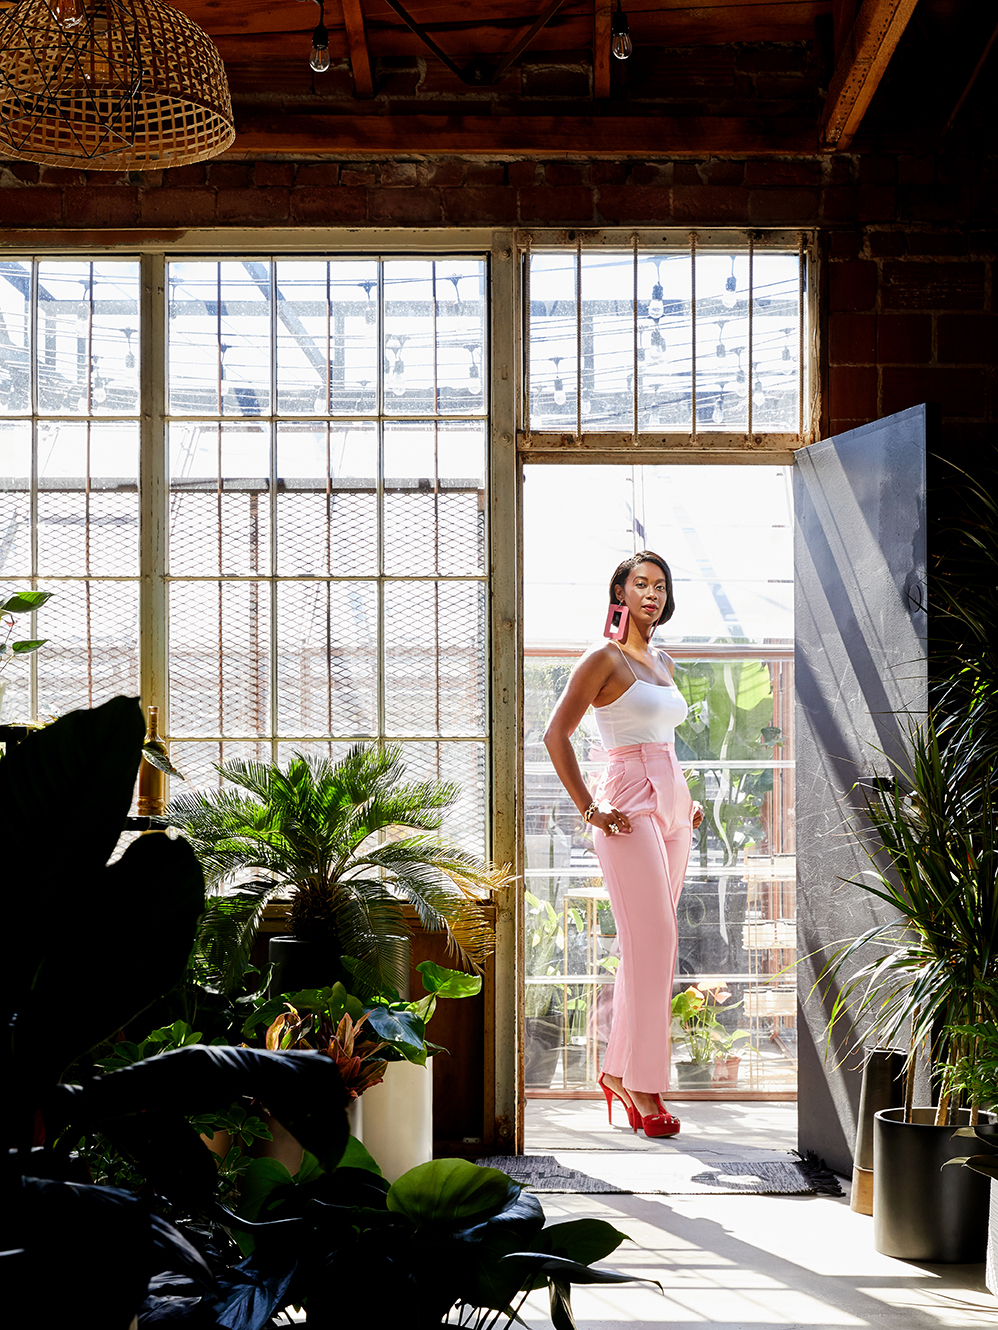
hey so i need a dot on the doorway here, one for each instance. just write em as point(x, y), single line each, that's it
point(727, 532)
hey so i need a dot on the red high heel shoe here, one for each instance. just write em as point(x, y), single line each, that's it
point(673, 1123)
point(661, 1124)
point(610, 1095)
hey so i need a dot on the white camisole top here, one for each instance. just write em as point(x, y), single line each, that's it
point(645, 713)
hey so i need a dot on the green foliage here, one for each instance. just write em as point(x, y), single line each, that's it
point(23, 602)
point(694, 1014)
point(352, 842)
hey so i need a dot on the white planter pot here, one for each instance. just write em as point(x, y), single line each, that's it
point(991, 1266)
point(398, 1118)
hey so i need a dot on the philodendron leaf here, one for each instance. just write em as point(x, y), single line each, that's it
point(448, 1190)
point(22, 648)
point(582, 1240)
point(399, 1027)
point(986, 1164)
point(25, 601)
point(448, 983)
point(158, 759)
point(571, 1272)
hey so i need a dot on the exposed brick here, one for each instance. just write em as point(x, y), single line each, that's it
point(315, 206)
point(19, 173)
point(961, 392)
point(358, 176)
point(230, 175)
point(634, 203)
point(399, 83)
point(574, 203)
point(778, 87)
point(273, 173)
point(933, 286)
point(852, 339)
point(887, 244)
point(523, 173)
point(705, 204)
point(844, 244)
point(795, 174)
point(92, 205)
point(318, 173)
point(968, 338)
point(875, 170)
point(783, 205)
point(855, 203)
point(852, 393)
point(417, 205)
point(30, 207)
point(448, 175)
point(904, 339)
point(186, 175)
point(177, 207)
point(146, 179)
point(758, 59)
point(563, 173)
point(852, 285)
point(398, 173)
point(61, 175)
point(494, 206)
point(608, 173)
point(724, 173)
point(933, 203)
point(948, 244)
point(838, 171)
point(482, 174)
point(916, 170)
point(253, 205)
point(683, 173)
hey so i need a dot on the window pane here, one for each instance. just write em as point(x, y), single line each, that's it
point(327, 336)
point(88, 343)
point(15, 353)
point(327, 651)
point(88, 498)
point(15, 500)
point(327, 499)
point(219, 499)
point(196, 762)
point(435, 636)
point(92, 652)
point(434, 336)
point(219, 658)
point(434, 498)
point(466, 765)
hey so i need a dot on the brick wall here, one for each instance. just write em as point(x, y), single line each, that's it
point(909, 243)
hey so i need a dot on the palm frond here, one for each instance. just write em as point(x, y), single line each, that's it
point(226, 934)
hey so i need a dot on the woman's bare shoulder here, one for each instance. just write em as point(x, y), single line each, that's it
point(666, 661)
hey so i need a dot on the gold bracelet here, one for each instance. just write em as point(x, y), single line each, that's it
point(587, 816)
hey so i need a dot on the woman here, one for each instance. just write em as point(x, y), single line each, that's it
point(644, 820)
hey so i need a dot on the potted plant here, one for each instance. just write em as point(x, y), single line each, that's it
point(351, 843)
point(694, 1021)
point(933, 979)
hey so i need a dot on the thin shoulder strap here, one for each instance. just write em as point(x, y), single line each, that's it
point(624, 654)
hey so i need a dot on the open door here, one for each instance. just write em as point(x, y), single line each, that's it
point(861, 626)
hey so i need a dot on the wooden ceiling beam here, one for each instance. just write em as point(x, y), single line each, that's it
point(602, 23)
point(360, 60)
point(861, 65)
point(306, 134)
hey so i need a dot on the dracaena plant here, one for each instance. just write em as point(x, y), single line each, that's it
point(352, 842)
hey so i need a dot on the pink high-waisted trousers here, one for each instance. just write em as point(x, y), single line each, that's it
point(643, 872)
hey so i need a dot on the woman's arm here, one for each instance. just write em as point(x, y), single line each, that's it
point(584, 685)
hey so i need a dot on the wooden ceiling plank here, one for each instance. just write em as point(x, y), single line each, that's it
point(307, 134)
point(602, 23)
point(360, 60)
point(864, 59)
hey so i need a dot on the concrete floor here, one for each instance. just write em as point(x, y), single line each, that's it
point(741, 1262)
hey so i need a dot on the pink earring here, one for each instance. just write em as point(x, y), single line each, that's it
point(615, 627)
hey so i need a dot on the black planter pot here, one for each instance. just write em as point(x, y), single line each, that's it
point(921, 1210)
point(299, 965)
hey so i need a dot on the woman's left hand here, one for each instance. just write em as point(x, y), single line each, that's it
point(697, 815)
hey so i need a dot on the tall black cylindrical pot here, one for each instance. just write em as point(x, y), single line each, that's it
point(299, 965)
point(921, 1210)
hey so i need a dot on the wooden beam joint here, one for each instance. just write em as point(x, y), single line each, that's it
point(360, 60)
point(861, 65)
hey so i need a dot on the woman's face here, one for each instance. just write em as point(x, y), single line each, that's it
point(645, 593)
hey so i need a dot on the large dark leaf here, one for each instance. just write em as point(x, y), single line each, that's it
point(302, 1090)
point(80, 996)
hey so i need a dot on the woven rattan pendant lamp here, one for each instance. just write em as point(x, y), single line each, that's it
point(114, 84)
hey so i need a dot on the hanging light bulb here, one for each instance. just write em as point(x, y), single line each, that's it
point(67, 13)
point(717, 415)
point(741, 384)
point(729, 296)
point(319, 58)
point(620, 35)
point(656, 306)
point(129, 355)
point(559, 393)
point(720, 350)
point(398, 378)
point(758, 396)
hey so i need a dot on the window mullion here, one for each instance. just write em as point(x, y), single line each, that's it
point(153, 490)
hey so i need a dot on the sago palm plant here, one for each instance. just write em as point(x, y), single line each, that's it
point(352, 843)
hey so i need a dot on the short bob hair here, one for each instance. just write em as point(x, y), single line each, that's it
point(623, 570)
